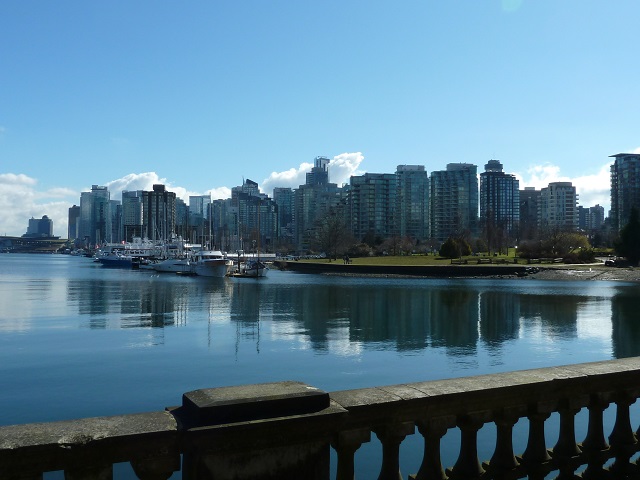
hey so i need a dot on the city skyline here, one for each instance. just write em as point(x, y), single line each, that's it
point(200, 97)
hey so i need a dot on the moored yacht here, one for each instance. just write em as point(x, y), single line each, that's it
point(211, 263)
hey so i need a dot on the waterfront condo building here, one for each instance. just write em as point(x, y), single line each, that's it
point(499, 205)
point(312, 202)
point(73, 222)
point(412, 199)
point(95, 216)
point(132, 214)
point(529, 200)
point(257, 220)
point(454, 201)
point(372, 201)
point(625, 187)
point(558, 207)
point(283, 196)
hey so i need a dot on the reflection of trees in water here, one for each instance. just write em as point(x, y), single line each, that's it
point(557, 313)
point(453, 319)
point(625, 323)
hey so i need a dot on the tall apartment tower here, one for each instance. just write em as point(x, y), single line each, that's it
point(159, 213)
point(625, 187)
point(283, 196)
point(73, 222)
point(95, 216)
point(529, 200)
point(372, 198)
point(312, 201)
point(499, 202)
point(319, 174)
point(132, 214)
point(412, 198)
point(558, 208)
point(454, 201)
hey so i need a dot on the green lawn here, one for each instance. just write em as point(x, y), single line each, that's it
point(413, 260)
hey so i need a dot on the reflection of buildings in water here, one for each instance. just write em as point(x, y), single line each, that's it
point(625, 323)
point(558, 314)
point(499, 318)
point(453, 319)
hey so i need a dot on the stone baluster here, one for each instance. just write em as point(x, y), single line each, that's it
point(156, 468)
point(503, 459)
point(595, 444)
point(536, 456)
point(432, 430)
point(391, 436)
point(566, 450)
point(93, 472)
point(468, 466)
point(346, 444)
point(622, 438)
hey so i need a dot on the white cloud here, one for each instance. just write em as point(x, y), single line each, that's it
point(341, 167)
point(20, 200)
point(636, 150)
point(592, 188)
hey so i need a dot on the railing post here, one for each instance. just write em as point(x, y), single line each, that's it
point(346, 443)
point(468, 466)
point(266, 431)
point(536, 456)
point(97, 472)
point(391, 436)
point(156, 468)
point(503, 459)
point(566, 450)
point(432, 430)
point(595, 445)
point(622, 438)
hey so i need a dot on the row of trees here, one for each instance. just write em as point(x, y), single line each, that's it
point(333, 237)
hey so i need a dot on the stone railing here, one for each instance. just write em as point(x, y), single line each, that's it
point(287, 429)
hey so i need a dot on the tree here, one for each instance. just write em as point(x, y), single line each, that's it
point(455, 247)
point(332, 236)
point(628, 245)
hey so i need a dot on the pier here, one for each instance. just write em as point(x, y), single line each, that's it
point(287, 430)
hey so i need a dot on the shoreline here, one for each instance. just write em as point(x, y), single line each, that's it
point(564, 272)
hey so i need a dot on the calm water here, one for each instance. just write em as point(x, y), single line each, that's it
point(77, 339)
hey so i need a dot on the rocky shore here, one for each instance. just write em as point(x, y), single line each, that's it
point(587, 272)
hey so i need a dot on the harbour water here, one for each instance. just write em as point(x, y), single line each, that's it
point(78, 339)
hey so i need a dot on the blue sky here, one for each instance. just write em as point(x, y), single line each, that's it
point(199, 95)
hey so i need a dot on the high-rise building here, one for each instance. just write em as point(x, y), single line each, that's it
point(412, 198)
point(199, 223)
point(372, 200)
point(529, 200)
point(132, 214)
point(454, 201)
point(257, 219)
point(283, 196)
point(95, 216)
point(159, 213)
point(319, 174)
point(625, 188)
point(499, 205)
point(40, 227)
point(312, 201)
point(73, 222)
point(558, 207)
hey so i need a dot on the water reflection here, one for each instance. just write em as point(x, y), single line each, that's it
point(625, 323)
point(406, 317)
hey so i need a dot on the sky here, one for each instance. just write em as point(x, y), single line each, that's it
point(200, 95)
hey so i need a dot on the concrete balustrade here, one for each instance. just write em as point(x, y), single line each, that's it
point(287, 429)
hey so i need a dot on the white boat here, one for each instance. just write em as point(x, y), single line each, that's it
point(253, 269)
point(174, 265)
point(211, 263)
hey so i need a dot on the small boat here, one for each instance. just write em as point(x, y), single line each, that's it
point(252, 268)
point(211, 263)
point(174, 265)
point(116, 260)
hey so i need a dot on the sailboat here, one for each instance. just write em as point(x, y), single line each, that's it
point(252, 267)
